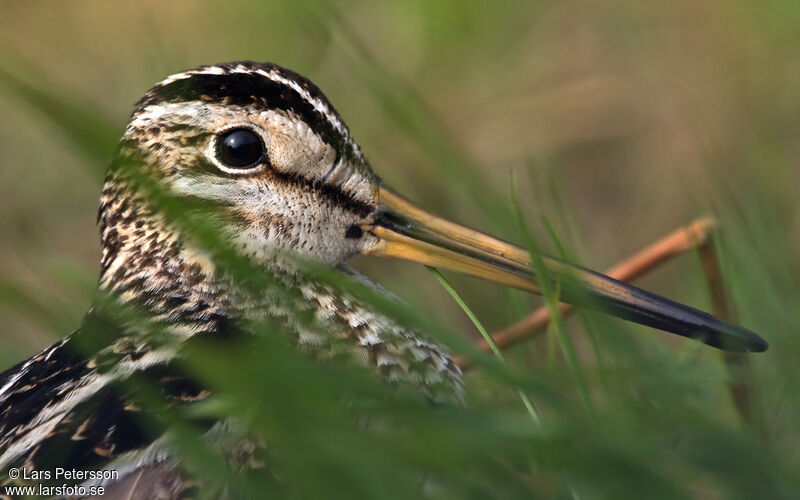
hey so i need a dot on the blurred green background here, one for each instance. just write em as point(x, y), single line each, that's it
point(619, 120)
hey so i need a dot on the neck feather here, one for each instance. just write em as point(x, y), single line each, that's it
point(145, 261)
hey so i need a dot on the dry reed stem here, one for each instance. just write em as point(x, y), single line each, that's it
point(738, 364)
point(692, 236)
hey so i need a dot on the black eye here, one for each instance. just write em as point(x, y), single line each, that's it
point(240, 148)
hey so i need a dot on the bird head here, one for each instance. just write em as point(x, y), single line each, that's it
point(265, 146)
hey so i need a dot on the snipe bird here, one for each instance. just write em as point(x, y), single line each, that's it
point(265, 149)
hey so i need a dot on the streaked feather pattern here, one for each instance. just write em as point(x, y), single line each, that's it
point(76, 403)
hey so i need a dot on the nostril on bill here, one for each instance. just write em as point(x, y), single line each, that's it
point(354, 232)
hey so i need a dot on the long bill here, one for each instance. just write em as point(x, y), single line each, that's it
point(408, 232)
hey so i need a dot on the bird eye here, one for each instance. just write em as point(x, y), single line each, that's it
point(240, 148)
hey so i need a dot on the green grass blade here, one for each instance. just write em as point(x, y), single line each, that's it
point(485, 334)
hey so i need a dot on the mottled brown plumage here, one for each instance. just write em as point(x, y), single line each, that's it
point(252, 162)
point(304, 202)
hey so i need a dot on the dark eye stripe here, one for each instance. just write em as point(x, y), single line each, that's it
point(332, 169)
point(334, 193)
